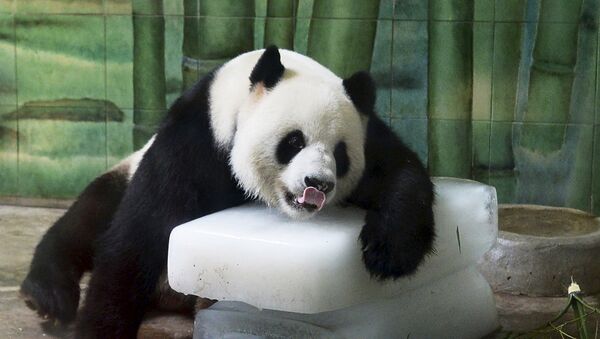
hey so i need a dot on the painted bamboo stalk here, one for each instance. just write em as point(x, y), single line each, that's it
point(191, 43)
point(553, 67)
point(483, 49)
point(215, 31)
point(279, 25)
point(354, 24)
point(302, 25)
point(508, 38)
point(149, 88)
point(450, 88)
point(584, 104)
point(513, 39)
point(579, 140)
point(595, 174)
point(556, 145)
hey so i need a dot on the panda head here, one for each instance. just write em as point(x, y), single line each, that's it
point(300, 134)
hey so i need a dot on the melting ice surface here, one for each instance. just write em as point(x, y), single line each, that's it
point(257, 256)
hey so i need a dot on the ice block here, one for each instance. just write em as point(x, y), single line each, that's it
point(459, 305)
point(258, 256)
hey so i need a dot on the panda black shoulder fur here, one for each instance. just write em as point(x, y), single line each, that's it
point(269, 125)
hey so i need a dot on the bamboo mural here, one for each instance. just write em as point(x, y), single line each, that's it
point(584, 110)
point(149, 87)
point(214, 32)
point(450, 88)
point(556, 152)
point(502, 91)
point(553, 67)
point(357, 32)
point(279, 25)
point(508, 37)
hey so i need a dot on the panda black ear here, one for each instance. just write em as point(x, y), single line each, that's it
point(268, 70)
point(360, 87)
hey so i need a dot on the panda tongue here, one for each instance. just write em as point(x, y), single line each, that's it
point(312, 196)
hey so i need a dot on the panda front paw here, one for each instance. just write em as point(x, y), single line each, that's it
point(391, 254)
point(53, 300)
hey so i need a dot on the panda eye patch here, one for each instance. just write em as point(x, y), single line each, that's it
point(289, 146)
point(342, 162)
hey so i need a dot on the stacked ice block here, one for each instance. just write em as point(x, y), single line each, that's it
point(306, 278)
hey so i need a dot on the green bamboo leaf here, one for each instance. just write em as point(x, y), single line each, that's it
point(580, 315)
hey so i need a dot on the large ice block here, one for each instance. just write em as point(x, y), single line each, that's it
point(459, 305)
point(260, 257)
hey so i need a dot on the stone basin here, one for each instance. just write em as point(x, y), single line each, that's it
point(540, 248)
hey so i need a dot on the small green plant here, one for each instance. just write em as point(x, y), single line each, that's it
point(582, 311)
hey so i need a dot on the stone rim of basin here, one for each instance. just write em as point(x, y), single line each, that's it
point(541, 262)
point(588, 231)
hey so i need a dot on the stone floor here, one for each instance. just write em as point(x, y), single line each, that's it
point(21, 228)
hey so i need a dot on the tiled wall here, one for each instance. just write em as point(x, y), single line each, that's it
point(501, 91)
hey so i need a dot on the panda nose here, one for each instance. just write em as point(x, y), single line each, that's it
point(323, 186)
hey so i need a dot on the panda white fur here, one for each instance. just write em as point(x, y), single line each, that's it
point(269, 125)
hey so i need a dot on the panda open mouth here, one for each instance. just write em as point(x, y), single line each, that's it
point(311, 199)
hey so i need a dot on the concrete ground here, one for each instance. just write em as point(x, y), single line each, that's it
point(21, 228)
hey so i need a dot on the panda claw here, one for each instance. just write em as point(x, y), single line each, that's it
point(30, 304)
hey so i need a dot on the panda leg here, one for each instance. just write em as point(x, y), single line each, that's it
point(65, 252)
point(399, 230)
point(124, 281)
point(398, 195)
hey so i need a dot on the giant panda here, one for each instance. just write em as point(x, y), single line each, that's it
point(269, 125)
